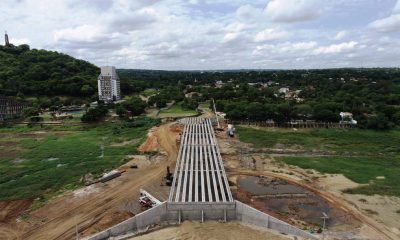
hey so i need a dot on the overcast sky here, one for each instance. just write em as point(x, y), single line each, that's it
point(211, 34)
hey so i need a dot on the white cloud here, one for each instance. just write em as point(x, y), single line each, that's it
point(269, 34)
point(83, 33)
point(207, 34)
point(397, 7)
point(340, 35)
point(230, 36)
point(234, 31)
point(389, 24)
point(19, 41)
point(133, 20)
point(248, 12)
point(292, 10)
point(304, 45)
point(336, 48)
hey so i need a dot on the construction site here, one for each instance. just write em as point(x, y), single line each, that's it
point(194, 178)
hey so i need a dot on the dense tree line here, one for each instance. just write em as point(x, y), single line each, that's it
point(33, 72)
point(372, 95)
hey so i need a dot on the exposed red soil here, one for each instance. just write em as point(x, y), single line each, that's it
point(10, 210)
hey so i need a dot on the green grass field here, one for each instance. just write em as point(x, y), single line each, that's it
point(177, 111)
point(360, 155)
point(149, 91)
point(351, 142)
point(37, 162)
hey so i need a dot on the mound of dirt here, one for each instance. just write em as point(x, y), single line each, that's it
point(151, 144)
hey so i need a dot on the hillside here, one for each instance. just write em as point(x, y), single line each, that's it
point(36, 72)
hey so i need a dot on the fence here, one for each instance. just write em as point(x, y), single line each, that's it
point(294, 124)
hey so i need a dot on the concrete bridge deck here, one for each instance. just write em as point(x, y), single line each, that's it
point(199, 174)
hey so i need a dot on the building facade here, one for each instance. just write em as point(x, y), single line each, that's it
point(109, 85)
point(10, 108)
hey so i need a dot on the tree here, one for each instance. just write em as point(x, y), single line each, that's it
point(324, 112)
point(190, 103)
point(44, 73)
point(135, 105)
point(95, 114)
point(161, 103)
point(303, 111)
point(396, 118)
point(120, 111)
point(31, 111)
point(256, 111)
point(87, 90)
point(285, 111)
point(379, 122)
point(325, 115)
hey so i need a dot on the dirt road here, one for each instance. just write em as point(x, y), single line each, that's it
point(61, 223)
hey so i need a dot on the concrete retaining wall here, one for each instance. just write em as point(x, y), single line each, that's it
point(164, 214)
point(252, 216)
point(137, 223)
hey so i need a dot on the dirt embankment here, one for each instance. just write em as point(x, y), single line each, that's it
point(98, 206)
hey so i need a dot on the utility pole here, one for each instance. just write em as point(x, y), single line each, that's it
point(324, 217)
point(76, 232)
point(215, 112)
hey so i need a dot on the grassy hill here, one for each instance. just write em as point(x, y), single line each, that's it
point(34, 72)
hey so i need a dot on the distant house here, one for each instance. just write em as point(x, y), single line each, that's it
point(270, 83)
point(283, 90)
point(221, 114)
point(347, 117)
point(219, 84)
point(191, 94)
point(294, 95)
point(10, 108)
point(109, 85)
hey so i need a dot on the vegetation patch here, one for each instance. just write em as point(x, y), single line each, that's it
point(149, 92)
point(77, 152)
point(338, 141)
point(363, 170)
point(177, 110)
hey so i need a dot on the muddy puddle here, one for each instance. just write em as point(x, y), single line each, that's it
point(268, 186)
point(289, 201)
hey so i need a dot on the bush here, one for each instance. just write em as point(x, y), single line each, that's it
point(189, 103)
point(31, 111)
point(95, 114)
point(378, 122)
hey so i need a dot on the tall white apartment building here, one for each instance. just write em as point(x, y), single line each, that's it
point(108, 85)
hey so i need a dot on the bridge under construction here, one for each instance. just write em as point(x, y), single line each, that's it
point(200, 190)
